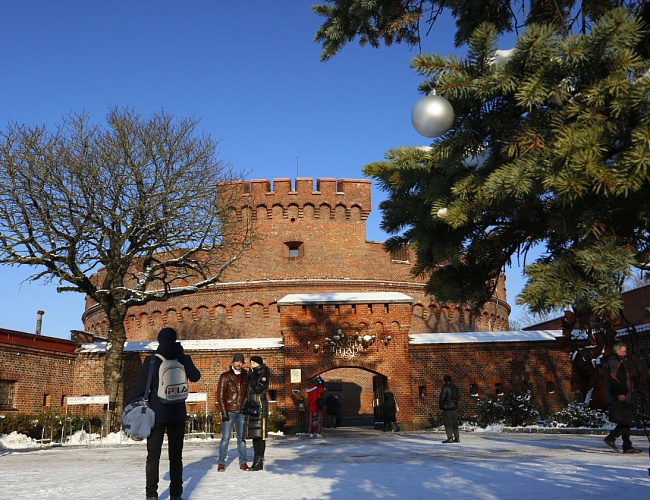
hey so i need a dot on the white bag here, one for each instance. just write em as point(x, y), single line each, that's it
point(138, 418)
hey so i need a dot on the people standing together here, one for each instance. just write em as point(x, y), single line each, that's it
point(237, 388)
point(243, 404)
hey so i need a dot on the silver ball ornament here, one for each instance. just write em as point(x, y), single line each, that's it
point(432, 115)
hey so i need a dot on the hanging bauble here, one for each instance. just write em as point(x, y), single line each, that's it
point(432, 115)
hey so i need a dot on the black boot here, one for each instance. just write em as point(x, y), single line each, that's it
point(258, 463)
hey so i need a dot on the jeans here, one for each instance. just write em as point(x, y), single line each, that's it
point(175, 436)
point(226, 432)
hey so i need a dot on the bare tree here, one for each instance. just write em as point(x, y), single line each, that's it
point(128, 213)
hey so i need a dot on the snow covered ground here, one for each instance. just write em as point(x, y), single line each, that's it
point(347, 463)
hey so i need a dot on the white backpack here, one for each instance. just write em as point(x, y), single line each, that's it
point(172, 381)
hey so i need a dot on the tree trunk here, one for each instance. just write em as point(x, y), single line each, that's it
point(114, 367)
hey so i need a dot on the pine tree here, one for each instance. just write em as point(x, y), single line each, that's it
point(551, 146)
point(401, 21)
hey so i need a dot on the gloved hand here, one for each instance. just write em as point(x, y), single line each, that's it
point(225, 417)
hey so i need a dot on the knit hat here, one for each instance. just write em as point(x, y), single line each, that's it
point(447, 378)
point(167, 336)
point(257, 359)
point(238, 357)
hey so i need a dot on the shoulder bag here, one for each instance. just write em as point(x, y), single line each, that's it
point(138, 418)
point(251, 408)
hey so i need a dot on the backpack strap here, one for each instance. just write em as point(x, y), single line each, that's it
point(161, 357)
point(147, 388)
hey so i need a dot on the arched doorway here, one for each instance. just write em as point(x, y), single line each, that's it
point(360, 393)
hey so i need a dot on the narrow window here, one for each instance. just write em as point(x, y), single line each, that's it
point(422, 391)
point(550, 387)
point(273, 395)
point(7, 388)
point(473, 390)
point(400, 255)
point(294, 249)
point(498, 388)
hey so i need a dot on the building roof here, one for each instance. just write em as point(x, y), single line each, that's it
point(192, 345)
point(277, 342)
point(476, 337)
point(25, 339)
point(344, 298)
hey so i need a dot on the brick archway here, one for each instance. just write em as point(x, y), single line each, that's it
point(321, 334)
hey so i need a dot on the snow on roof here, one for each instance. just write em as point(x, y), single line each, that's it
point(641, 328)
point(347, 298)
point(193, 345)
point(475, 337)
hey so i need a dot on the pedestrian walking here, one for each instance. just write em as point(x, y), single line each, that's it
point(448, 403)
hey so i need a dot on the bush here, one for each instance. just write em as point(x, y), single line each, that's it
point(579, 415)
point(47, 425)
point(519, 410)
point(489, 412)
point(513, 410)
point(277, 419)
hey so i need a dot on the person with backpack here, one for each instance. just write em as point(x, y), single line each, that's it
point(448, 403)
point(169, 390)
point(315, 405)
point(231, 394)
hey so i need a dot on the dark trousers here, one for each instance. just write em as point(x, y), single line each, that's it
point(450, 419)
point(621, 431)
point(175, 435)
point(259, 447)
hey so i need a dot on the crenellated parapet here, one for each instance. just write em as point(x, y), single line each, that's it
point(327, 198)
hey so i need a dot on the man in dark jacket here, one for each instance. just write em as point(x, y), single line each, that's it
point(618, 390)
point(448, 403)
point(231, 394)
point(169, 417)
point(389, 411)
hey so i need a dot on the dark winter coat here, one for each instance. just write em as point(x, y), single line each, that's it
point(165, 413)
point(231, 391)
point(449, 397)
point(258, 383)
point(333, 405)
point(390, 407)
point(617, 380)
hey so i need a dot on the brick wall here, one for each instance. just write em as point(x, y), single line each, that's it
point(327, 222)
point(41, 370)
point(543, 367)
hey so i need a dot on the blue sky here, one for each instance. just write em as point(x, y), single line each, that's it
point(248, 70)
